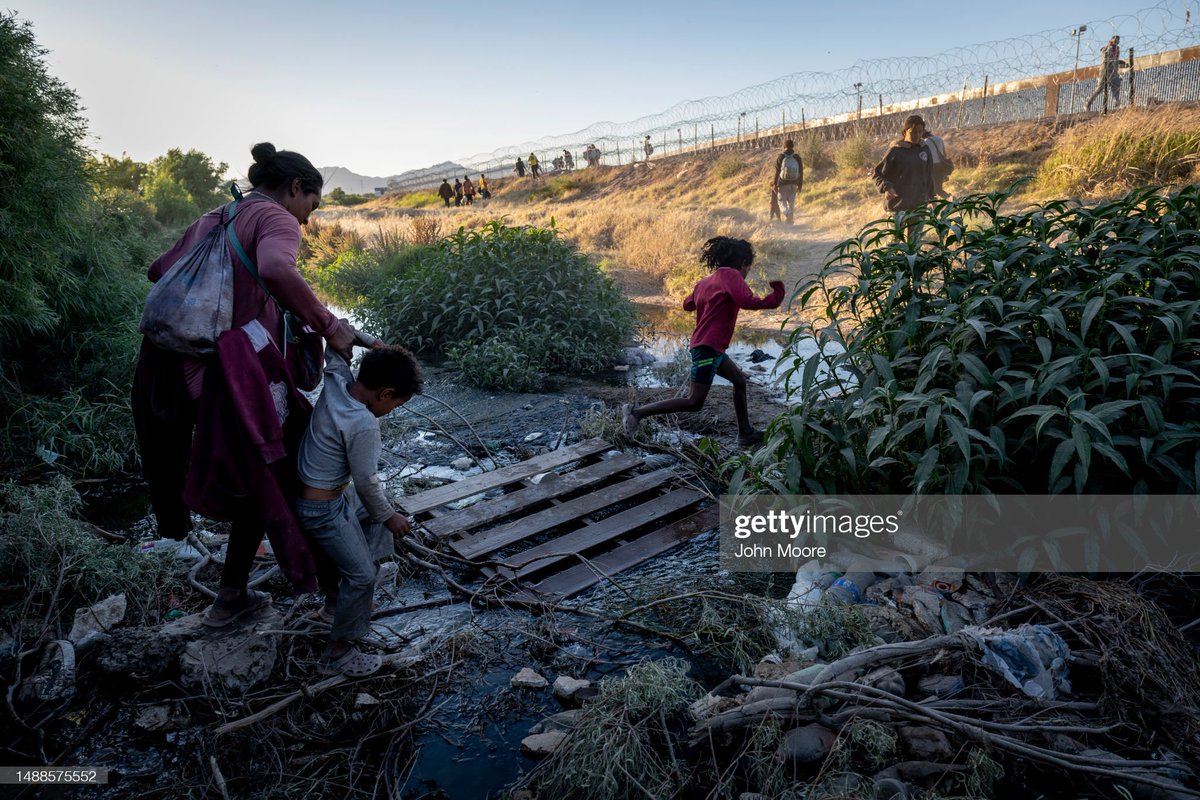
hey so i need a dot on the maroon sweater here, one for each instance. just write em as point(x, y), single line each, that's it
point(717, 300)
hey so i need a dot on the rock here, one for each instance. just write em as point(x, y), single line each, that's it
point(891, 789)
point(149, 653)
point(462, 464)
point(163, 718)
point(636, 357)
point(885, 678)
point(758, 356)
point(540, 745)
point(923, 743)
point(528, 679)
point(566, 689)
point(526, 407)
point(364, 699)
point(807, 745)
point(54, 678)
point(231, 660)
point(93, 624)
point(758, 368)
point(564, 721)
point(533, 437)
point(941, 685)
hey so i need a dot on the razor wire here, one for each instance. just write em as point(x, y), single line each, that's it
point(807, 100)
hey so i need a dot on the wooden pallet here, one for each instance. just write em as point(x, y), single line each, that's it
point(573, 527)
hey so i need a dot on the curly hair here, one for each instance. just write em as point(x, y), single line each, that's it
point(391, 367)
point(725, 251)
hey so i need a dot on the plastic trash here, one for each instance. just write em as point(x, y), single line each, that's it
point(180, 549)
point(849, 588)
point(1032, 658)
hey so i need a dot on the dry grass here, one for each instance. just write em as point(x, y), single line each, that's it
point(646, 224)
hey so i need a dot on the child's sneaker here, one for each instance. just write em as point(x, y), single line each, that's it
point(751, 439)
point(629, 422)
point(385, 575)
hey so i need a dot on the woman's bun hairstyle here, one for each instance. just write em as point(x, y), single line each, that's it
point(274, 168)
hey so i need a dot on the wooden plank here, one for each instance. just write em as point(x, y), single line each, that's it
point(580, 541)
point(581, 576)
point(499, 477)
point(503, 535)
point(486, 511)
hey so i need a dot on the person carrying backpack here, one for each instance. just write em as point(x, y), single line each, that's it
point(787, 179)
point(647, 147)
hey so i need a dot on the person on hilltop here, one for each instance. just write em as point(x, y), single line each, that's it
point(904, 176)
point(647, 147)
point(568, 160)
point(1109, 80)
point(218, 433)
point(787, 180)
point(468, 190)
point(534, 170)
point(520, 168)
point(342, 505)
point(446, 191)
point(716, 301)
point(458, 192)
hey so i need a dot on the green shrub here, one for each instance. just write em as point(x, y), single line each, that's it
point(498, 362)
point(73, 260)
point(813, 151)
point(683, 278)
point(1048, 351)
point(338, 197)
point(560, 186)
point(50, 566)
point(520, 286)
point(728, 166)
point(417, 200)
point(856, 154)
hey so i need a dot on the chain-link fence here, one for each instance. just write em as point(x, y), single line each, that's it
point(957, 88)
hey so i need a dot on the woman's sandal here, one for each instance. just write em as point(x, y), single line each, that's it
point(249, 602)
point(354, 663)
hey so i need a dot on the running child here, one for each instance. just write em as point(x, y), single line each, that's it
point(716, 301)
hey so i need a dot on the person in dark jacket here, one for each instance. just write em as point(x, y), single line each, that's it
point(520, 168)
point(904, 176)
point(458, 192)
point(445, 191)
point(787, 180)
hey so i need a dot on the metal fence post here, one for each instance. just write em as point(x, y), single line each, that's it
point(962, 99)
point(712, 135)
point(983, 108)
point(802, 124)
point(1132, 77)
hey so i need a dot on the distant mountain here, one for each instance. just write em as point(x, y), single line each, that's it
point(353, 183)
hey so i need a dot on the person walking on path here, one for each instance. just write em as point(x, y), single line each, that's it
point(1109, 80)
point(468, 190)
point(568, 160)
point(716, 301)
point(904, 177)
point(218, 433)
point(520, 168)
point(458, 192)
point(445, 191)
point(482, 183)
point(788, 179)
point(647, 147)
point(534, 170)
point(940, 166)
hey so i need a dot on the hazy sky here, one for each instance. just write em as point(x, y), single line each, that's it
point(381, 87)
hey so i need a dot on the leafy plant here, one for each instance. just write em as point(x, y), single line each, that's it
point(478, 295)
point(497, 362)
point(1052, 350)
point(856, 154)
point(728, 166)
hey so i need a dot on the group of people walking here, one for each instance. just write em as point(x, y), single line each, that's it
point(560, 163)
point(463, 192)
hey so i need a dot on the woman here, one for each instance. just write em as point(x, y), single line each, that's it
point(239, 466)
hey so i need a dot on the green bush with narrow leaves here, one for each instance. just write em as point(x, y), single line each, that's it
point(500, 290)
point(1052, 350)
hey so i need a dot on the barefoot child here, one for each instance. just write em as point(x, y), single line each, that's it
point(353, 526)
point(716, 301)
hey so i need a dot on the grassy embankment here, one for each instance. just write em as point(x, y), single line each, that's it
point(644, 225)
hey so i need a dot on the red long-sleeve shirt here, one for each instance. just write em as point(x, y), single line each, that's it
point(717, 300)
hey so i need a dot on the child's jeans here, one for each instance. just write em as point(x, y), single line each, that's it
point(342, 529)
